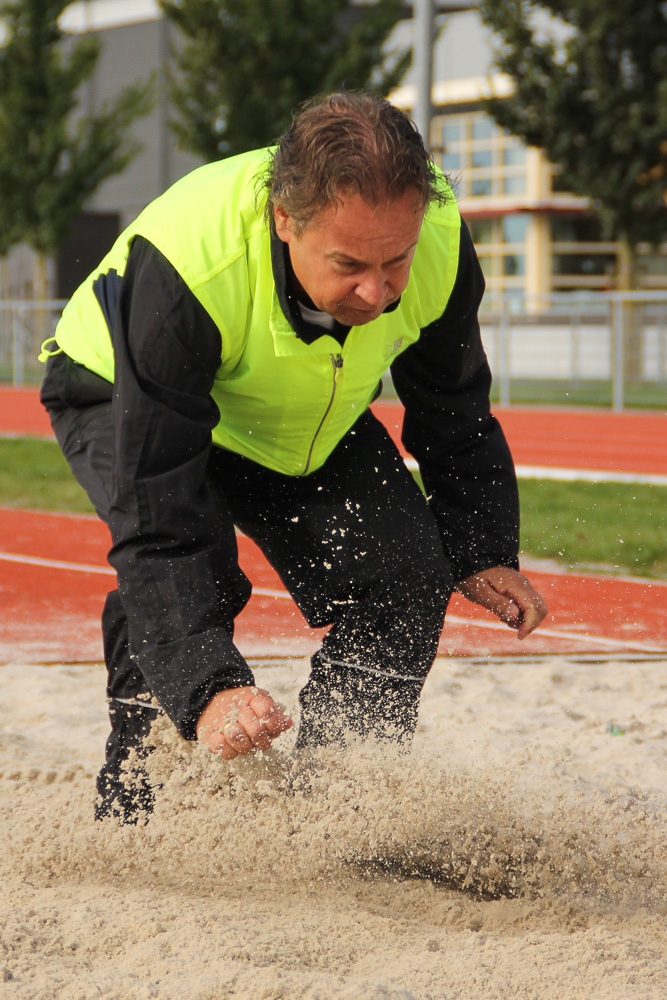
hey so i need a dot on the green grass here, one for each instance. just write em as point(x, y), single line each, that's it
point(33, 473)
point(609, 526)
point(612, 527)
point(572, 392)
point(583, 392)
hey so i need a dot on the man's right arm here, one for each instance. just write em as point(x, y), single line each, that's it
point(174, 549)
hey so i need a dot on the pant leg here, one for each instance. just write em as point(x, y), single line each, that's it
point(359, 550)
point(125, 795)
point(79, 406)
point(81, 419)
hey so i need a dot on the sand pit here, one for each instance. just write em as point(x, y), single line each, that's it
point(519, 852)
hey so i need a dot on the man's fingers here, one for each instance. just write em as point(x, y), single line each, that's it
point(497, 601)
point(237, 738)
point(510, 613)
point(254, 728)
point(248, 733)
point(530, 605)
point(215, 742)
point(533, 615)
point(506, 609)
point(239, 721)
point(509, 595)
point(272, 717)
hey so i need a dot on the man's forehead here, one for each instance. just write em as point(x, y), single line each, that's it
point(381, 201)
point(352, 213)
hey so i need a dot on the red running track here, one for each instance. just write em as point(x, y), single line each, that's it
point(576, 439)
point(51, 612)
point(54, 577)
point(21, 412)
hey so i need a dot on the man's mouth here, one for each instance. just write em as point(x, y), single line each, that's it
point(365, 311)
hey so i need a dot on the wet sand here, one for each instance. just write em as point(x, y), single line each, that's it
point(520, 851)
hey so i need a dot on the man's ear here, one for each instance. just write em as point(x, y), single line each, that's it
point(283, 223)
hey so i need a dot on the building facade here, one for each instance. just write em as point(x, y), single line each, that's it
point(533, 238)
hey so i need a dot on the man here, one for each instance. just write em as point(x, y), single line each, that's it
point(216, 371)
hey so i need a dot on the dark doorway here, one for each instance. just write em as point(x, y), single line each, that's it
point(91, 237)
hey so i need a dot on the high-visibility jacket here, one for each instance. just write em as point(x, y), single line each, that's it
point(283, 402)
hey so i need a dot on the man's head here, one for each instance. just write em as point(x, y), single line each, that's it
point(347, 191)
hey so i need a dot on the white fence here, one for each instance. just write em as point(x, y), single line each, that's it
point(24, 325)
point(609, 349)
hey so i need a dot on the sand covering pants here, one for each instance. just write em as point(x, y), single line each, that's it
point(354, 543)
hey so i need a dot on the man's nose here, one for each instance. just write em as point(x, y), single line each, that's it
point(372, 289)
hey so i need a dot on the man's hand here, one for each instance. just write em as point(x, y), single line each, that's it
point(508, 594)
point(240, 721)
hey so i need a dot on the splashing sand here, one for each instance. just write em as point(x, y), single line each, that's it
point(519, 850)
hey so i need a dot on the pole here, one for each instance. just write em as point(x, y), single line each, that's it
point(617, 386)
point(164, 140)
point(18, 349)
point(422, 51)
point(504, 355)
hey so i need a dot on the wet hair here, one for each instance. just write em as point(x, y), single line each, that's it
point(349, 142)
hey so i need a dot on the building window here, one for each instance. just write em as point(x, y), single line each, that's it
point(508, 196)
point(500, 244)
point(513, 264)
point(481, 186)
point(482, 160)
point(514, 185)
point(513, 228)
point(652, 266)
point(579, 256)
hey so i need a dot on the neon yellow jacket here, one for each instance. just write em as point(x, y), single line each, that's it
point(283, 403)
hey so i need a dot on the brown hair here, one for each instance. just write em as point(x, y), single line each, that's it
point(348, 142)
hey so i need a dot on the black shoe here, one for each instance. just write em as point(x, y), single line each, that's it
point(124, 792)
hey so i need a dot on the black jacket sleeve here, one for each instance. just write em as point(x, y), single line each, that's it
point(444, 381)
point(174, 546)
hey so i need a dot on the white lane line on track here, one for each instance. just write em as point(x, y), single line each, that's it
point(283, 595)
point(499, 626)
point(553, 633)
point(55, 563)
point(573, 475)
point(589, 475)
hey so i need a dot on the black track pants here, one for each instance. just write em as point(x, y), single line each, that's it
point(358, 549)
point(354, 543)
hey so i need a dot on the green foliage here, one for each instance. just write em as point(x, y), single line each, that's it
point(591, 91)
point(52, 156)
point(246, 65)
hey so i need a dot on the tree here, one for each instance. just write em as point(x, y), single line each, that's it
point(247, 64)
point(52, 155)
point(593, 95)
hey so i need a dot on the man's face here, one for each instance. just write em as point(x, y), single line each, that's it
point(353, 260)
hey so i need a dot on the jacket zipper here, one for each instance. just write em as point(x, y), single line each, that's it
point(337, 363)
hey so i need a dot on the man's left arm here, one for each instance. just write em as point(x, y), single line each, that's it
point(444, 382)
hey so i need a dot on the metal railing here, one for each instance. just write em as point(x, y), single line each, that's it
point(606, 349)
point(24, 326)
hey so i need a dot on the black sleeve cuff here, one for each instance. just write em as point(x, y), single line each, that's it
point(180, 676)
